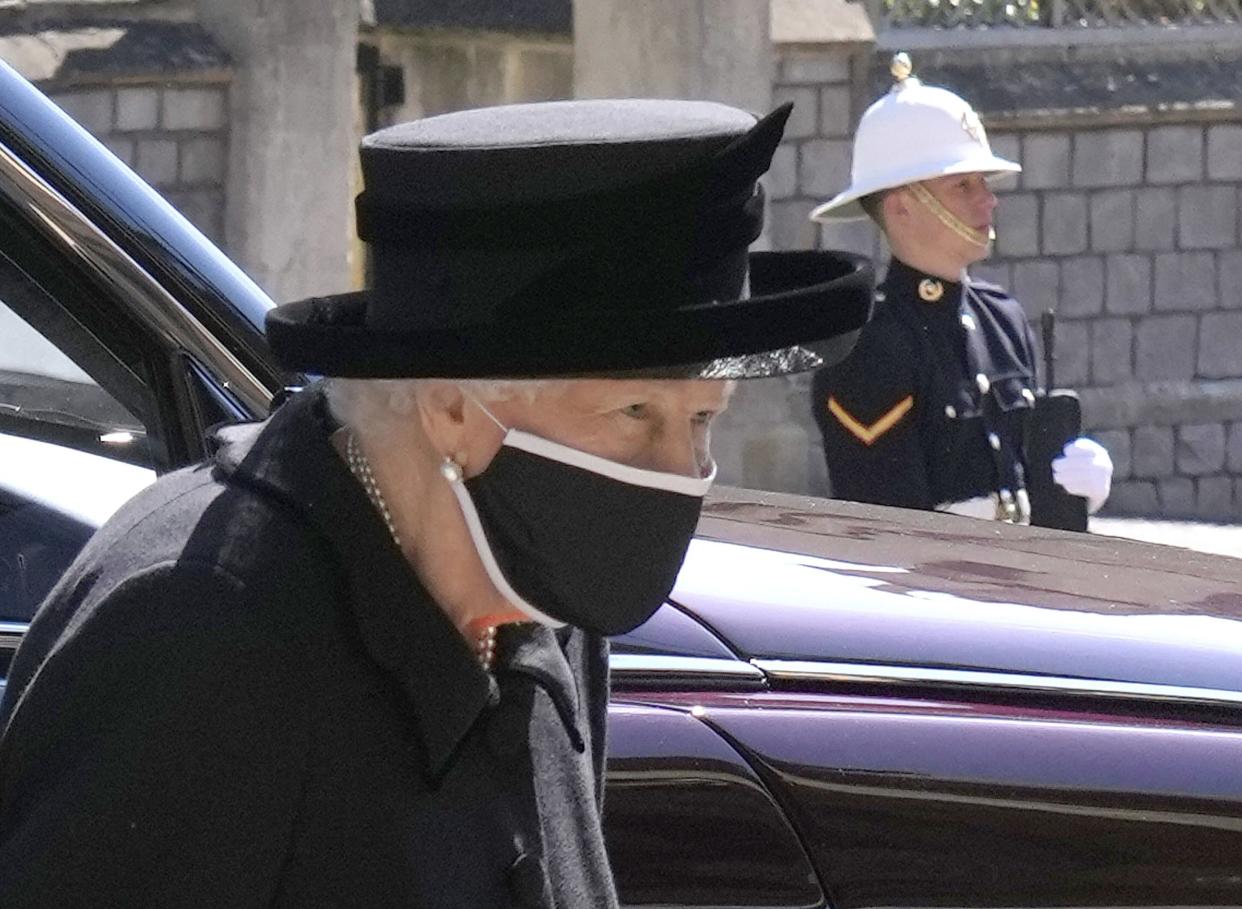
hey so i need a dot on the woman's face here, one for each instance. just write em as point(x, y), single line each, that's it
point(654, 424)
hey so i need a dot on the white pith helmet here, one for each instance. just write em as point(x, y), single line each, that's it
point(914, 132)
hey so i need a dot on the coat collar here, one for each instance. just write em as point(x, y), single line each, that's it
point(290, 458)
point(917, 288)
point(534, 651)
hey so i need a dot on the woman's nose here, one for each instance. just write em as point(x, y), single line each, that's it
point(682, 453)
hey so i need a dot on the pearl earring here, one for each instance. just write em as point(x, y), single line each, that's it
point(450, 470)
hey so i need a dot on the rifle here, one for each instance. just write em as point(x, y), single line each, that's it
point(1055, 420)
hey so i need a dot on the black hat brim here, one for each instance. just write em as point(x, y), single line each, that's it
point(804, 311)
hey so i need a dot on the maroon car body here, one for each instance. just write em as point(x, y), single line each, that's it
point(840, 706)
point(942, 712)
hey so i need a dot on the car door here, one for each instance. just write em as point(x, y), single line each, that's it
point(688, 821)
point(98, 392)
point(982, 797)
point(770, 782)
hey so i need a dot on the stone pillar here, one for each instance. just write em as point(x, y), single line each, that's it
point(716, 50)
point(713, 50)
point(292, 116)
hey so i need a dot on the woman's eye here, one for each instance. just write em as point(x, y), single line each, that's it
point(636, 411)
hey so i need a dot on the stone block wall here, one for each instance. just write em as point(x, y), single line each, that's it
point(721, 50)
point(227, 107)
point(768, 438)
point(1132, 234)
point(173, 134)
point(813, 162)
point(450, 70)
point(1130, 229)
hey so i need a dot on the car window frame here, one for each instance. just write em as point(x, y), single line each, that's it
point(176, 375)
point(178, 354)
point(42, 308)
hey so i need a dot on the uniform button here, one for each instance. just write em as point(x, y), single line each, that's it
point(968, 321)
point(1028, 396)
point(950, 411)
point(506, 731)
point(931, 290)
point(994, 441)
point(984, 383)
point(528, 881)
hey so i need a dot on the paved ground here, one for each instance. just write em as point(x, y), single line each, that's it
point(1224, 539)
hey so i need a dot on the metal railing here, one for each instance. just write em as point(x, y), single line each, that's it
point(1052, 13)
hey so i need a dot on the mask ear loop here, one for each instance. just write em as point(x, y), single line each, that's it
point(523, 610)
point(491, 416)
point(948, 219)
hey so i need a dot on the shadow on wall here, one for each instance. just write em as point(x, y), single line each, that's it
point(767, 439)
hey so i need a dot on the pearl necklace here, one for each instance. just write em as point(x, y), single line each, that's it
point(360, 467)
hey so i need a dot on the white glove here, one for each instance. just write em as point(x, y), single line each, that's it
point(1084, 469)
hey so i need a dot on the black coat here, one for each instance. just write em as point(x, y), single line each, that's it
point(931, 406)
point(240, 696)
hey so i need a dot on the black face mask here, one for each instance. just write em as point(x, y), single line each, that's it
point(572, 538)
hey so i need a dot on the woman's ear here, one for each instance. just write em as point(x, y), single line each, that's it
point(442, 413)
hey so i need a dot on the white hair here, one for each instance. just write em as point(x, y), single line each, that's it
point(374, 403)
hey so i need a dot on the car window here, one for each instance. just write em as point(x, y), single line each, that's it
point(98, 391)
point(57, 480)
point(40, 382)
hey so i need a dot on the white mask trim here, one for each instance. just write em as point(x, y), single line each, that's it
point(635, 476)
point(576, 457)
point(490, 565)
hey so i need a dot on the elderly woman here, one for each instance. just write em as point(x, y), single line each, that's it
point(359, 658)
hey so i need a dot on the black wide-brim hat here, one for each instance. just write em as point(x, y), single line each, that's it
point(576, 238)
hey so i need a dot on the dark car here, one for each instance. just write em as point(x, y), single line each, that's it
point(841, 705)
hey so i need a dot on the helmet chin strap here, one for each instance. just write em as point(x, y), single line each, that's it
point(950, 220)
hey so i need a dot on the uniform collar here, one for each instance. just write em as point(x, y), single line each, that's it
point(290, 458)
point(902, 282)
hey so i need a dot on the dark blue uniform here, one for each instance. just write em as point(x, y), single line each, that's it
point(930, 408)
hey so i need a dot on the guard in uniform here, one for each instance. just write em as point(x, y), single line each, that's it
point(930, 410)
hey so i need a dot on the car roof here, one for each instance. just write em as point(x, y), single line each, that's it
point(794, 579)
